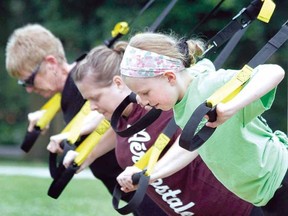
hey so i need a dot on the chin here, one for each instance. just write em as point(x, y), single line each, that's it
point(164, 108)
point(107, 116)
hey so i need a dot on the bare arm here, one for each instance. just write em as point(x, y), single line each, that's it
point(263, 81)
point(106, 144)
point(89, 124)
point(175, 159)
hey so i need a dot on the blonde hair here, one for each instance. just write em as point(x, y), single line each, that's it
point(28, 46)
point(101, 64)
point(169, 45)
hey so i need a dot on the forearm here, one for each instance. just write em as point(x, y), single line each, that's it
point(174, 160)
point(106, 144)
point(263, 81)
point(90, 122)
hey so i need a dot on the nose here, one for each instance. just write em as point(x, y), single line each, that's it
point(93, 106)
point(142, 101)
point(29, 89)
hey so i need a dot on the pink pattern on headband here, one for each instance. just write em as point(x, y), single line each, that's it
point(142, 63)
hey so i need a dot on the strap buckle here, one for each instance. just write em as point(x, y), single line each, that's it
point(242, 18)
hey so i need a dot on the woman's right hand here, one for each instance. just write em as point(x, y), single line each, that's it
point(33, 118)
point(54, 144)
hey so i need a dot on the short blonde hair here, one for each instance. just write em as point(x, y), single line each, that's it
point(28, 46)
point(169, 45)
point(101, 64)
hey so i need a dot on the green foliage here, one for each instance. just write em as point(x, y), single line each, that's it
point(81, 25)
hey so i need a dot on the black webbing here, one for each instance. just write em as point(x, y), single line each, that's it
point(270, 47)
point(55, 164)
point(201, 137)
point(240, 21)
point(229, 47)
point(139, 125)
point(207, 16)
point(161, 17)
point(30, 138)
point(141, 179)
point(61, 181)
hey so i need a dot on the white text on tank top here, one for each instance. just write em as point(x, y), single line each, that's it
point(138, 149)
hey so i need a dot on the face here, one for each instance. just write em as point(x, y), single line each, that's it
point(158, 92)
point(103, 99)
point(44, 80)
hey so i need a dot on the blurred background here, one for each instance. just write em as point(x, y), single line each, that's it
point(81, 25)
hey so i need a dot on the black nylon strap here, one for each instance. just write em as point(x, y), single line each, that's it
point(229, 47)
point(190, 128)
point(270, 47)
point(136, 199)
point(109, 43)
point(141, 179)
point(161, 17)
point(202, 136)
point(59, 183)
point(139, 125)
point(30, 138)
point(240, 21)
point(55, 165)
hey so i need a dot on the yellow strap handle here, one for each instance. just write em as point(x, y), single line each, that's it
point(76, 125)
point(231, 88)
point(150, 158)
point(51, 108)
point(90, 142)
point(266, 11)
point(158, 147)
point(120, 28)
point(143, 161)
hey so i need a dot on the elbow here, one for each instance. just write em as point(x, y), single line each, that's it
point(279, 72)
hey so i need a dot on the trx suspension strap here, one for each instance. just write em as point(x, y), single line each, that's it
point(263, 10)
point(122, 28)
point(226, 93)
point(51, 108)
point(142, 123)
point(146, 163)
point(74, 129)
point(229, 47)
point(60, 182)
point(206, 17)
point(161, 17)
point(260, 9)
point(153, 114)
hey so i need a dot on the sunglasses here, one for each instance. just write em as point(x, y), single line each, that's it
point(29, 82)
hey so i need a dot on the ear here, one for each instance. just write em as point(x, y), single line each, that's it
point(171, 76)
point(118, 81)
point(51, 63)
point(50, 59)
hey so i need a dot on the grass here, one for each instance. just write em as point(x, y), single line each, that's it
point(27, 196)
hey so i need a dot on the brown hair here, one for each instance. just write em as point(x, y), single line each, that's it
point(28, 46)
point(101, 64)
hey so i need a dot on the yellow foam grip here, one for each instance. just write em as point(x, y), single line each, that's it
point(231, 88)
point(121, 27)
point(76, 125)
point(52, 107)
point(266, 11)
point(150, 158)
point(90, 142)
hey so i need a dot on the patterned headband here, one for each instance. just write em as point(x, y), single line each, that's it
point(142, 63)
